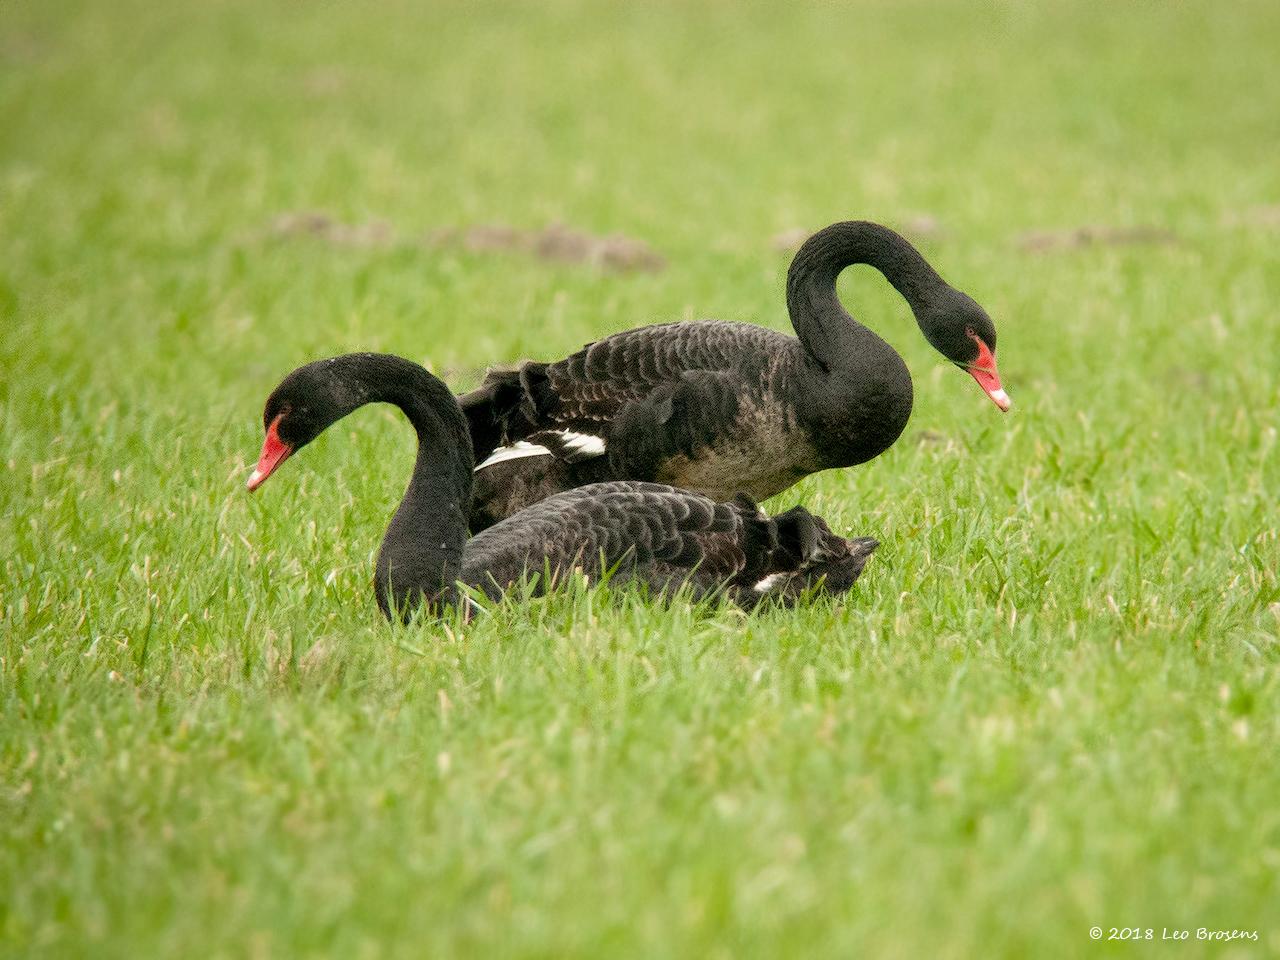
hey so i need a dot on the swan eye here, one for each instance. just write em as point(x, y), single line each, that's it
point(970, 333)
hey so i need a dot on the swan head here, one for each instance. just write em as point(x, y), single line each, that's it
point(303, 406)
point(961, 331)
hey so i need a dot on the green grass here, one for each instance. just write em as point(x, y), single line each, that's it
point(1051, 703)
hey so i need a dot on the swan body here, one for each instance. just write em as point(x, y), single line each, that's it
point(719, 407)
point(652, 534)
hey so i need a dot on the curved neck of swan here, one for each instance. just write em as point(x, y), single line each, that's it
point(421, 554)
point(826, 329)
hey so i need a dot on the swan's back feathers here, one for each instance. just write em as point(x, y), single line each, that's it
point(587, 390)
point(593, 385)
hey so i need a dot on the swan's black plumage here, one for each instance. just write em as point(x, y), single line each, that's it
point(641, 532)
point(719, 407)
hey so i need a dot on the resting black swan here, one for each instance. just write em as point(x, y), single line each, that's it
point(649, 533)
point(718, 407)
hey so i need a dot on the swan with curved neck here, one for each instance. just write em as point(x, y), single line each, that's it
point(953, 323)
point(660, 536)
point(717, 407)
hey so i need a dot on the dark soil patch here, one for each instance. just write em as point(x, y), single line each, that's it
point(1254, 217)
point(556, 243)
point(1047, 241)
point(321, 226)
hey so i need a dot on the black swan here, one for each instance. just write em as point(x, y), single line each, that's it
point(719, 407)
point(643, 532)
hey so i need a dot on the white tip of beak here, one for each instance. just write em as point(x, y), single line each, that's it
point(255, 478)
point(1002, 399)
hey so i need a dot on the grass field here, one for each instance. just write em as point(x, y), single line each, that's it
point(1050, 704)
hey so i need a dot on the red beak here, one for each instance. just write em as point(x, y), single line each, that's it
point(984, 371)
point(274, 452)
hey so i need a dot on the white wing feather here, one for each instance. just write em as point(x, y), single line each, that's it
point(516, 451)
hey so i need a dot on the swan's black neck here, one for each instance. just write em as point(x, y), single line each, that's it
point(829, 333)
point(421, 554)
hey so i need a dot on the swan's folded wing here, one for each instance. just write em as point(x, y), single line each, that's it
point(625, 527)
point(590, 388)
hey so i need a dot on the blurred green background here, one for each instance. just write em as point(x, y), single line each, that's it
point(1050, 704)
